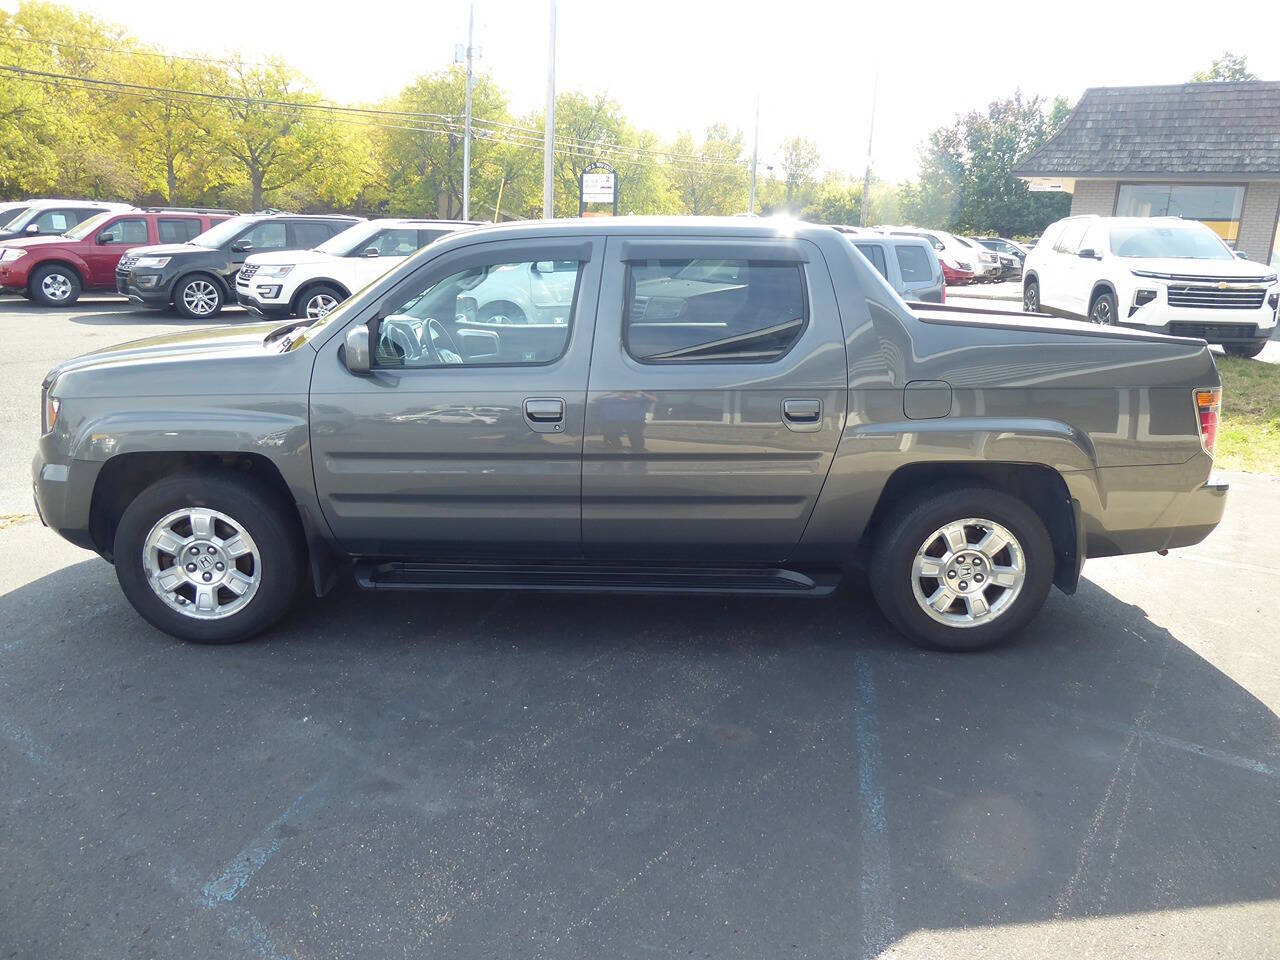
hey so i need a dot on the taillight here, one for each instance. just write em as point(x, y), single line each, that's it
point(49, 416)
point(1208, 404)
point(944, 289)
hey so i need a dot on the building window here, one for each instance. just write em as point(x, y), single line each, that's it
point(1215, 205)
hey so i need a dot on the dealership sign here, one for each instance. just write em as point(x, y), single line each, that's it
point(599, 184)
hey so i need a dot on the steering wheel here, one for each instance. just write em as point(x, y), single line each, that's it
point(442, 342)
point(397, 336)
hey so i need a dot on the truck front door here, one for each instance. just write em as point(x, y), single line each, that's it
point(466, 437)
point(716, 399)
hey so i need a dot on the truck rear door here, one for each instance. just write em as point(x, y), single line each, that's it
point(717, 394)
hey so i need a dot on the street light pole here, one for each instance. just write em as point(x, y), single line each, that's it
point(871, 132)
point(549, 132)
point(755, 154)
point(466, 129)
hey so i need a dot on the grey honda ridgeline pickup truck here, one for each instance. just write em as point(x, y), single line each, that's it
point(692, 406)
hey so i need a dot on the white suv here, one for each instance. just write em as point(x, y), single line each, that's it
point(310, 283)
point(1165, 274)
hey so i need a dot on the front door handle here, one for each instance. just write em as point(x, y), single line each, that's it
point(802, 414)
point(545, 414)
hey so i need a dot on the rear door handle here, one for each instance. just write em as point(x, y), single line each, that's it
point(544, 414)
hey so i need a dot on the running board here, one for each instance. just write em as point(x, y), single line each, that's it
point(579, 577)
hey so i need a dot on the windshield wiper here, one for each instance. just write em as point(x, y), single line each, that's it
point(289, 325)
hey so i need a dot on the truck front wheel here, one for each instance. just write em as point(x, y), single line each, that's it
point(963, 569)
point(211, 559)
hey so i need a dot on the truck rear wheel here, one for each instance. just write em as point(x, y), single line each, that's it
point(211, 559)
point(962, 570)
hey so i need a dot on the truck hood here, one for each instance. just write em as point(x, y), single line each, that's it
point(1183, 266)
point(206, 362)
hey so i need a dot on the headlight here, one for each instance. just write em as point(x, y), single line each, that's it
point(279, 270)
point(50, 413)
point(152, 261)
point(9, 254)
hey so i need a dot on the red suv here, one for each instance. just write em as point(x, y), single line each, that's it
point(53, 271)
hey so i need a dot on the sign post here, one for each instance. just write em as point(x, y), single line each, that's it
point(599, 184)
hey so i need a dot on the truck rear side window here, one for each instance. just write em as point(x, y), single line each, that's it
point(713, 311)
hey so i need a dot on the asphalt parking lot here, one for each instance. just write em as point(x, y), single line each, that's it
point(565, 777)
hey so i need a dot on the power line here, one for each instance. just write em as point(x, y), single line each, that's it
point(448, 126)
point(381, 111)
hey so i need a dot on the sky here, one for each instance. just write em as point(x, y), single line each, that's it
point(683, 64)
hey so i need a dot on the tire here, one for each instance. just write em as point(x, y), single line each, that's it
point(1103, 310)
point(54, 286)
point(315, 298)
point(1247, 350)
point(502, 312)
point(198, 298)
point(913, 534)
point(245, 516)
point(1031, 296)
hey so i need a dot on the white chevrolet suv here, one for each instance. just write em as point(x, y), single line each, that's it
point(1165, 274)
point(310, 283)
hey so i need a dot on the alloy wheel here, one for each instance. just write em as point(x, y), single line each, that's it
point(200, 297)
point(319, 305)
point(968, 572)
point(56, 286)
point(202, 563)
point(1031, 298)
point(1101, 313)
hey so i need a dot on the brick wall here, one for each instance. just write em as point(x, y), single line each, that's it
point(1258, 219)
point(1094, 196)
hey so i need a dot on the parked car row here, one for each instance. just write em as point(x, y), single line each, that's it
point(197, 260)
point(1162, 274)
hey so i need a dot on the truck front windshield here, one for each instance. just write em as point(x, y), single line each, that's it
point(9, 216)
point(350, 240)
point(86, 228)
point(1189, 242)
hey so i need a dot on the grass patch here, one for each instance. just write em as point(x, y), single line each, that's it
point(1249, 436)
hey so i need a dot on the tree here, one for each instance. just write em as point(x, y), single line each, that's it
point(1229, 66)
point(966, 178)
point(799, 161)
point(709, 177)
point(837, 199)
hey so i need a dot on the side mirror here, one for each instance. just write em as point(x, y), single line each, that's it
point(370, 252)
point(544, 266)
point(33, 228)
point(356, 350)
point(1088, 253)
point(242, 246)
point(106, 238)
point(1241, 255)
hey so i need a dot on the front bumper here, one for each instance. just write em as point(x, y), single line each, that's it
point(140, 288)
point(267, 309)
point(1213, 324)
point(14, 274)
point(63, 490)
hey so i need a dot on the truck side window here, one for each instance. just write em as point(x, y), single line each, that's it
point(875, 253)
point(502, 314)
point(914, 264)
point(713, 311)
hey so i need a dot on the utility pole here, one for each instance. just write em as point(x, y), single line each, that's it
point(871, 132)
point(466, 129)
point(755, 154)
point(549, 132)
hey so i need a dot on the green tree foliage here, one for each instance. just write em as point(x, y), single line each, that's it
point(799, 163)
point(966, 178)
point(716, 186)
point(1229, 66)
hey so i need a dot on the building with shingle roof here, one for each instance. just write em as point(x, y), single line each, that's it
point(1205, 151)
